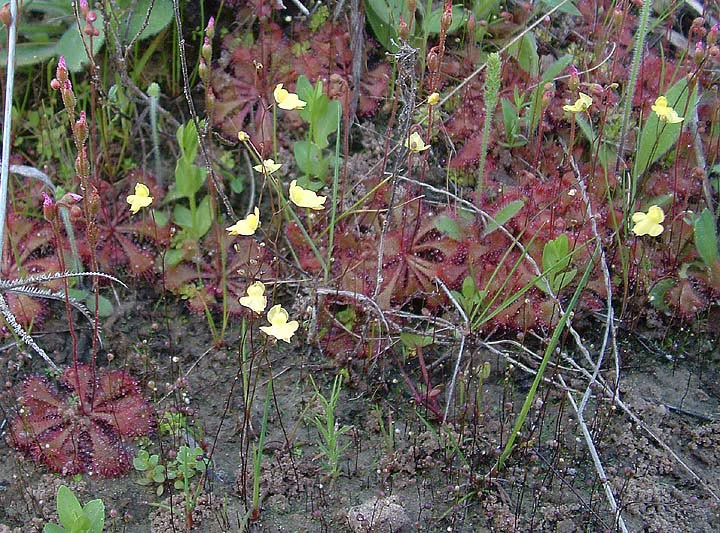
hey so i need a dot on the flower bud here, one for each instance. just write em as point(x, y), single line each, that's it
point(203, 71)
point(207, 50)
point(82, 166)
point(403, 29)
point(55, 84)
point(81, 132)
point(84, 8)
point(91, 16)
point(49, 208)
point(714, 51)
point(433, 62)
point(210, 28)
point(471, 25)
point(70, 198)
point(574, 83)
point(712, 35)
point(5, 16)
point(699, 54)
point(76, 213)
point(412, 6)
point(61, 73)
point(446, 19)
point(93, 202)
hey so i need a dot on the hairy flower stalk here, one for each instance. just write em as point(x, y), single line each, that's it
point(492, 89)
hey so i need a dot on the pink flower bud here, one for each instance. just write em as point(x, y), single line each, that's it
point(49, 208)
point(61, 73)
point(574, 82)
point(210, 28)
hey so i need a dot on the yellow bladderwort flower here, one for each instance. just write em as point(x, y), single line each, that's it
point(433, 99)
point(648, 223)
point(255, 299)
point(268, 166)
point(279, 326)
point(415, 143)
point(581, 104)
point(140, 199)
point(665, 112)
point(246, 226)
point(287, 100)
point(243, 136)
point(305, 198)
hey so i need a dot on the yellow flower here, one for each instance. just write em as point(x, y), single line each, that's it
point(268, 166)
point(415, 143)
point(140, 199)
point(247, 225)
point(648, 223)
point(433, 99)
point(305, 198)
point(581, 104)
point(279, 326)
point(255, 299)
point(287, 100)
point(243, 136)
point(665, 112)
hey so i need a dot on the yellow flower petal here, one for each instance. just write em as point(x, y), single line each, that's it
point(649, 223)
point(246, 226)
point(243, 136)
point(140, 199)
point(433, 99)
point(305, 198)
point(664, 112)
point(287, 100)
point(268, 166)
point(415, 143)
point(581, 105)
point(279, 326)
point(255, 299)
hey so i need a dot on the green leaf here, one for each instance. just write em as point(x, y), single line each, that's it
point(54, 528)
point(203, 217)
point(555, 253)
point(413, 340)
point(310, 160)
point(449, 227)
point(657, 137)
point(95, 512)
point(568, 7)
point(68, 507)
point(383, 22)
point(71, 45)
point(189, 178)
point(706, 239)
point(505, 214)
point(187, 139)
point(554, 70)
point(160, 17)
point(183, 217)
point(525, 51)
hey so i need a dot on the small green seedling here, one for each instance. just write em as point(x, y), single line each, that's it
point(556, 259)
point(75, 518)
point(153, 470)
point(329, 429)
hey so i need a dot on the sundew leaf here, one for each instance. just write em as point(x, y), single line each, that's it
point(657, 137)
point(706, 237)
point(505, 214)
